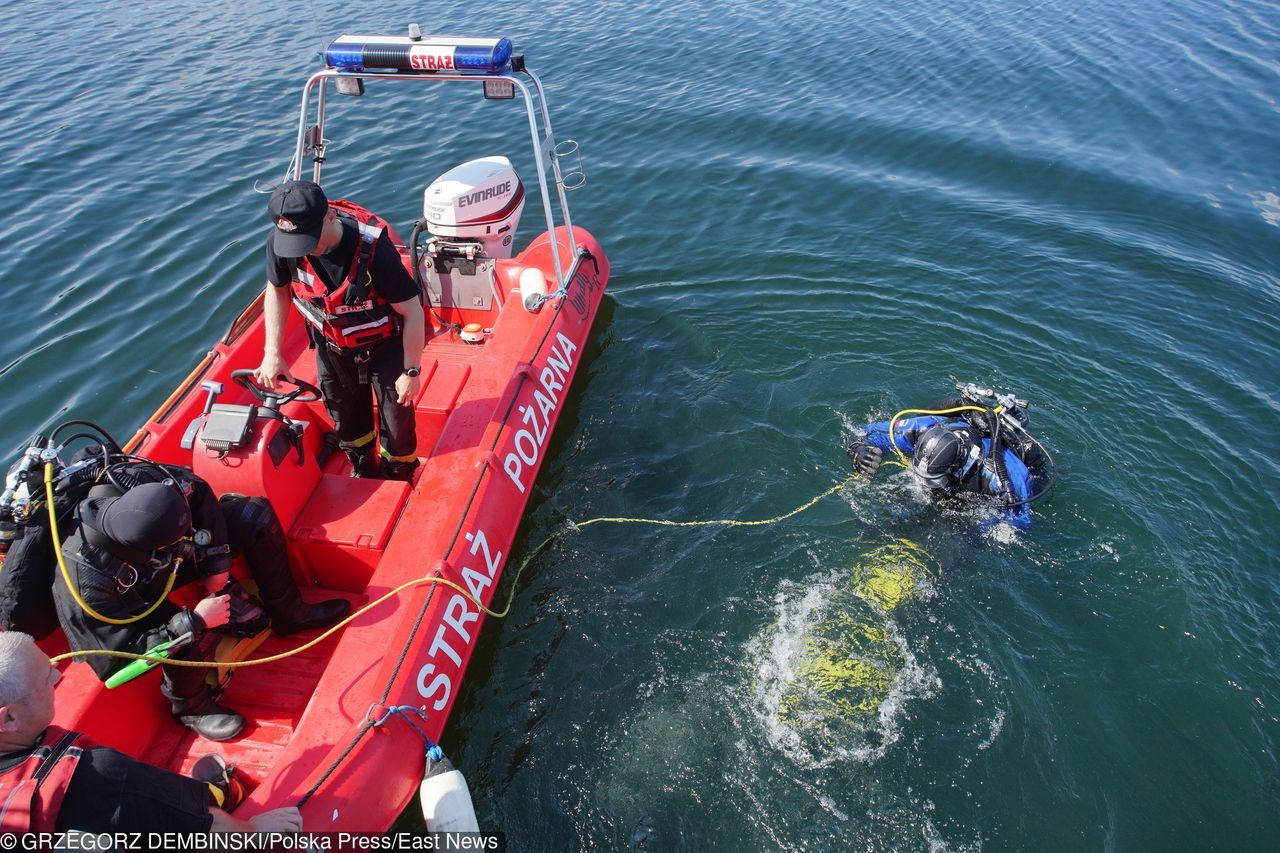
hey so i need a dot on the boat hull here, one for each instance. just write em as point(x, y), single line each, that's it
point(324, 733)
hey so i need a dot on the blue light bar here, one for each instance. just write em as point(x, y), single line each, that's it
point(429, 53)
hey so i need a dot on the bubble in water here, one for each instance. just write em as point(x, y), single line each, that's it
point(833, 671)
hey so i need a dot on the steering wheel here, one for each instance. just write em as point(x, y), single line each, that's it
point(274, 399)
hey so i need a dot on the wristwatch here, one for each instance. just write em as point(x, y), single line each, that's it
point(412, 371)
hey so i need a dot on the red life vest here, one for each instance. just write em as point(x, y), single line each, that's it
point(353, 316)
point(31, 793)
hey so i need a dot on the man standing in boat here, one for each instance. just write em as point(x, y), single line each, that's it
point(337, 263)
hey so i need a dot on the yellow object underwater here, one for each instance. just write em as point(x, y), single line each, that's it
point(849, 659)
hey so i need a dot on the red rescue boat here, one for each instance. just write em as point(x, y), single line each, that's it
point(338, 728)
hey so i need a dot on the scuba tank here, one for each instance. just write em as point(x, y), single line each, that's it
point(1005, 422)
point(27, 558)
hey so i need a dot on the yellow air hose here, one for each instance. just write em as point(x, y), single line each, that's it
point(66, 575)
point(332, 629)
point(902, 457)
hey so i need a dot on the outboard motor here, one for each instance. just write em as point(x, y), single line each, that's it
point(471, 212)
point(479, 202)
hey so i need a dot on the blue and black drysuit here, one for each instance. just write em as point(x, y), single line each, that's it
point(983, 479)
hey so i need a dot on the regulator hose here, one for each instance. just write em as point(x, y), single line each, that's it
point(124, 482)
point(66, 573)
point(902, 456)
point(111, 442)
point(997, 456)
point(1053, 477)
point(417, 276)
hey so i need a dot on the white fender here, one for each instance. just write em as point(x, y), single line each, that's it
point(533, 287)
point(446, 800)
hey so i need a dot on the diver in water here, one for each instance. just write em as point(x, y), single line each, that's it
point(961, 445)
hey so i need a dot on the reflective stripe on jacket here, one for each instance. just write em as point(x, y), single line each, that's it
point(353, 316)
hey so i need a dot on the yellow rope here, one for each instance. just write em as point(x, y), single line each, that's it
point(282, 655)
point(494, 613)
point(727, 522)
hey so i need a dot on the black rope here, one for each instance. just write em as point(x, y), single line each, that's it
point(334, 766)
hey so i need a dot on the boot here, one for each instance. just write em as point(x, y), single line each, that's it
point(211, 721)
point(191, 704)
point(399, 470)
point(224, 781)
point(248, 617)
point(291, 614)
point(363, 462)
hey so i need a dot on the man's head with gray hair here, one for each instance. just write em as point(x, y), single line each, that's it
point(15, 666)
point(27, 679)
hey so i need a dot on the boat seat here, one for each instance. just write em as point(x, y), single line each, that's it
point(338, 538)
point(443, 382)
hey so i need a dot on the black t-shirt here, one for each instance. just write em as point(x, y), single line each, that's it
point(111, 792)
point(390, 279)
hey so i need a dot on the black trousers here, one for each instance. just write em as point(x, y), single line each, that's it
point(351, 407)
point(253, 532)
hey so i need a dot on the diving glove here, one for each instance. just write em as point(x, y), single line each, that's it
point(866, 457)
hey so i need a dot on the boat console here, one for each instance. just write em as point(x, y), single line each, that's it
point(256, 448)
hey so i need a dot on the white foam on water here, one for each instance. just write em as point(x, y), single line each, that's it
point(830, 805)
point(1003, 533)
point(997, 726)
point(810, 736)
point(780, 650)
point(1268, 204)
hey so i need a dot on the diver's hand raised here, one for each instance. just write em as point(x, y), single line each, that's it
point(866, 458)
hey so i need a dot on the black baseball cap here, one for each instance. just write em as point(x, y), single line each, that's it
point(297, 208)
point(146, 517)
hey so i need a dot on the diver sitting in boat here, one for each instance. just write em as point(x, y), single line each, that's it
point(81, 786)
point(363, 314)
point(961, 445)
point(151, 527)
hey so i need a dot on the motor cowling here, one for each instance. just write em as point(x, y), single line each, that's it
point(478, 202)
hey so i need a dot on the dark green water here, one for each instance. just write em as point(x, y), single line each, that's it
point(817, 214)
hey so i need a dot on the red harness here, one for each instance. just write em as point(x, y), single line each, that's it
point(31, 793)
point(352, 316)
